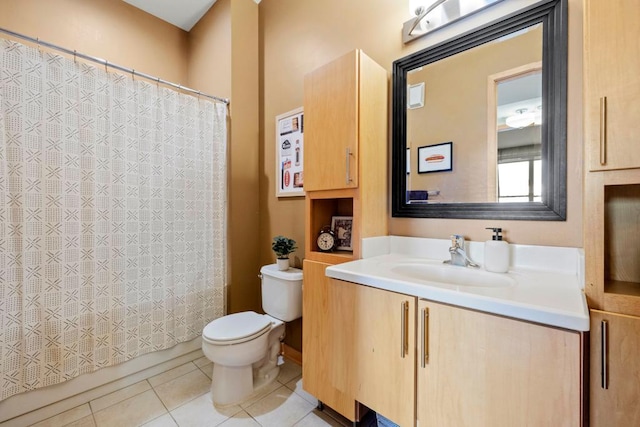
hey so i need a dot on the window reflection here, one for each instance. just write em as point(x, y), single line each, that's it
point(520, 181)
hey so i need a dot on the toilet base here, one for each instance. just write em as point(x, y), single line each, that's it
point(233, 385)
point(230, 385)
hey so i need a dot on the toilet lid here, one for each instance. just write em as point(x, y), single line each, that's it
point(237, 326)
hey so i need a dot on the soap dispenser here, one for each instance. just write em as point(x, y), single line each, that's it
point(496, 252)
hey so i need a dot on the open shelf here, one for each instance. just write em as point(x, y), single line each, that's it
point(622, 239)
point(622, 248)
point(322, 207)
point(622, 288)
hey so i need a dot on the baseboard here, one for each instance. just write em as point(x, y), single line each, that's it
point(292, 354)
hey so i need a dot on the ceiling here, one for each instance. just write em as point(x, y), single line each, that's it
point(183, 13)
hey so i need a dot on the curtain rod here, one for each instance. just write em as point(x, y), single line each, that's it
point(109, 64)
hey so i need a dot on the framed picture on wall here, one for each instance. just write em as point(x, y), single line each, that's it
point(435, 158)
point(289, 154)
point(342, 226)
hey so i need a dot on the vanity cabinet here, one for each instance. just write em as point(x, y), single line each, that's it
point(615, 370)
point(328, 339)
point(419, 362)
point(487, 370)
point(612, 85)
point(358, 346)
point(345, 114)
point(385, 352)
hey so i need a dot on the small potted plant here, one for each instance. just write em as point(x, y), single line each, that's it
point(283, 246)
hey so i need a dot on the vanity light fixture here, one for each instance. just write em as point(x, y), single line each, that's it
point(521, 119)
point(440, 13)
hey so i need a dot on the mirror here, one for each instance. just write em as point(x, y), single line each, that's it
point(479, 122)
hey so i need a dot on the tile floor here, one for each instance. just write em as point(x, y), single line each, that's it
point(180, 397)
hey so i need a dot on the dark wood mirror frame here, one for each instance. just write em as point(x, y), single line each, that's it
point(553, 16)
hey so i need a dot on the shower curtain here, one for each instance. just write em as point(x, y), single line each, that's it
point(112, 217)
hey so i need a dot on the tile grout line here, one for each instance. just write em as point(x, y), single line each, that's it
point(120, 389)
point(93, 416)
point(184, 403)
point(163, 405)
point(164, 382)
point(201, 370)
point(280, 382)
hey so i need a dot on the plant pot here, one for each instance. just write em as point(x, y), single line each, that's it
point(283, 264)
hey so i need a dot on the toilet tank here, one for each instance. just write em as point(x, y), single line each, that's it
point(282, 292)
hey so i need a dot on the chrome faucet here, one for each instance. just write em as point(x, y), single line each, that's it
point(458, 255)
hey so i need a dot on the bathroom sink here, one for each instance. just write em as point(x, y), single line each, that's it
point(452, 275)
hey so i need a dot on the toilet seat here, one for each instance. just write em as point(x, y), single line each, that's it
point(236, 328)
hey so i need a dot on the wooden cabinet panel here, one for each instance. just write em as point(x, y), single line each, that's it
point(486, 370)
point(616, 405)
point(327, 339)
point(346, 115)
point(385, 352)
point(331, 125)
point(612, 85)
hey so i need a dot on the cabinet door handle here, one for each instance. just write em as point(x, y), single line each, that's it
point(404, 326)
point(425, 337)
point(604, 349)
point(603, 130)
point(348, 165)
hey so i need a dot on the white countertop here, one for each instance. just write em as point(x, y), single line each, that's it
point(550, 297)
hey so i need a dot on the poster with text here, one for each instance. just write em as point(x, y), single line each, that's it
point(289, 154)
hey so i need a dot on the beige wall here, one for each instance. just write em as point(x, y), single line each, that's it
point(109, 29)
point(224, 60)
point(298, 36)
point(210, 51)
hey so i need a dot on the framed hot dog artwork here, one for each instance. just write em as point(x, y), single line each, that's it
point(289, 152)
point(435, 158)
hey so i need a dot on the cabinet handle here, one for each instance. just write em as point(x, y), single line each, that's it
point(604, 349)
point(425, 337)
point(603, 130)
point(404, 326)
point(348, 165)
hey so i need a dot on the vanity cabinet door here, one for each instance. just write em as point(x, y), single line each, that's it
point(486, 370)
point(327, 339)
point(384, 328)
point(615, 378)
point(612, 85)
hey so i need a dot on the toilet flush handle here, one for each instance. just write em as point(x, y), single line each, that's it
point(260, 276)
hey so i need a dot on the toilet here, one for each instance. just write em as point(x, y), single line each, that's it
point(244, 347)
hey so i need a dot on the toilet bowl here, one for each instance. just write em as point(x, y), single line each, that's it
point(244, 347)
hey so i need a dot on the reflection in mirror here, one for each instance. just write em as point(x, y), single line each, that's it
point(519, 137)
point(498, 95)
point(461, 92)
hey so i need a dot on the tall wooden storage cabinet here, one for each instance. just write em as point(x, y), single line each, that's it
point(345, 167)
point(612, 207)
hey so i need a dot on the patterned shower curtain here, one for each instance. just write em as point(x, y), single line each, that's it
point(112, 217)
